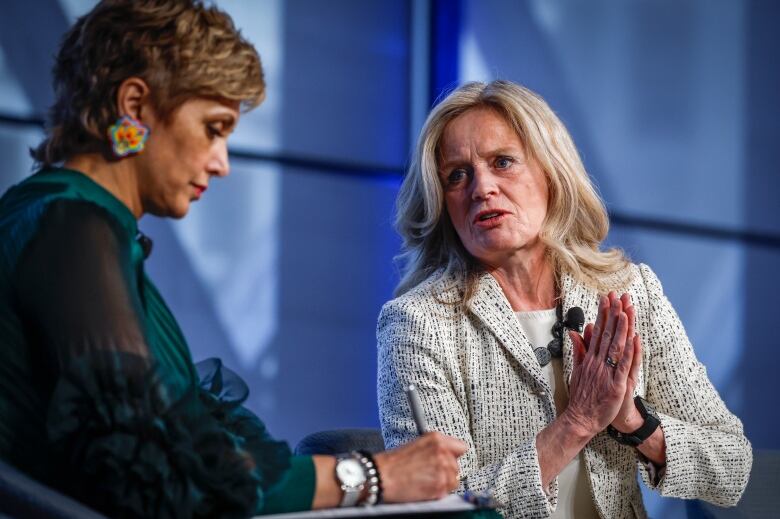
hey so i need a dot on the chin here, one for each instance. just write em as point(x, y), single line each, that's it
point(179, 213)
point(176, 211)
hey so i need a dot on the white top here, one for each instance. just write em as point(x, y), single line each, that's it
point(574, 497)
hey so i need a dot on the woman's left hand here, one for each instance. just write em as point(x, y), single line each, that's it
point(628, 418)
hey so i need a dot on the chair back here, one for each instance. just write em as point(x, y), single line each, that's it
point(340, 441)
point(22, 496)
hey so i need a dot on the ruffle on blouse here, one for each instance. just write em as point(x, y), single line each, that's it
point(223, 393)
point(129, 449)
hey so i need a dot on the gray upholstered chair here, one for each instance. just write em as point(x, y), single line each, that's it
point(341, 440)
point(22, 496)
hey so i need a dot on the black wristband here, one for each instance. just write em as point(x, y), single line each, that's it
point(648, 427)
point(378, 482)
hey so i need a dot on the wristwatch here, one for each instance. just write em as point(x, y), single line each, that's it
point(351, 477)
point(647, 412)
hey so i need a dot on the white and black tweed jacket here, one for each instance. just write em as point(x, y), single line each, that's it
point(479, 381)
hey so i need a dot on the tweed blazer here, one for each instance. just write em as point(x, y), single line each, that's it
point(479, 381)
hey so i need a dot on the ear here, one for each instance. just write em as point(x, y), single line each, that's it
point(133, 98)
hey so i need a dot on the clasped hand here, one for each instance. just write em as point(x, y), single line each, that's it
point(606, 370)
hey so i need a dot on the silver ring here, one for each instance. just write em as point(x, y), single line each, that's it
point(611, 363)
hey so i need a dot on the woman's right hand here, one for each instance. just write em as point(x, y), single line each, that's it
point(597, 389)
point(424, 469)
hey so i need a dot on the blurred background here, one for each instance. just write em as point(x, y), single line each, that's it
point(282, 269)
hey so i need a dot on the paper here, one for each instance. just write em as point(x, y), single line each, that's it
point(451, 503)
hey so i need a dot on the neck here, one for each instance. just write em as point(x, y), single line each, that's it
point(528, 283)
point(118, 178)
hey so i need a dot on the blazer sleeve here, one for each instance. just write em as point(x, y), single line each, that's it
point(413, 350)
point(707, 455)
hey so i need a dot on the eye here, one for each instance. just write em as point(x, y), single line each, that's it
point(456, 176)
point(213, 130)
point(503, 162)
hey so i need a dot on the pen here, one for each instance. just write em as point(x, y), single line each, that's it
point(417, 412)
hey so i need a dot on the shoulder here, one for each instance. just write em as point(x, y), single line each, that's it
point(642, 281)
point(647, 295)
point(634, 277)
point(438, 295)
point(637, 279)
point(649, 279)
point(77, 221)
point(29, 216)
point(426, 315)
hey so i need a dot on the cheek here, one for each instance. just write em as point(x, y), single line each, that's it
point(456, 208)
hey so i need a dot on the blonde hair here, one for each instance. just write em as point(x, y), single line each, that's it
point(181, 48)
point(576, 221)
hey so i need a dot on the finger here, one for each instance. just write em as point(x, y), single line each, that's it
point(630, 311)
point(454, 445)
point(455, 472)
point(619, 341)
point(631, 314)
point(608, 333)
point(626, 363)
point(601, 321)
point(588, 334)
point(637, 359)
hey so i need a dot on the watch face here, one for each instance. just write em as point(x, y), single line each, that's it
point(350, 472)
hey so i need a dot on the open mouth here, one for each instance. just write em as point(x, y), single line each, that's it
point(489, 216)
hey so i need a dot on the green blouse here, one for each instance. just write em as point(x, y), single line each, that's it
point(99, 396)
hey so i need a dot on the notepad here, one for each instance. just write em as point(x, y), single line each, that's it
point(450, 503)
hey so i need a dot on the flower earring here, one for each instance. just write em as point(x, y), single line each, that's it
point(127, 136)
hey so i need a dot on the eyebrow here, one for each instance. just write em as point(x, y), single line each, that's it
point(506, 150)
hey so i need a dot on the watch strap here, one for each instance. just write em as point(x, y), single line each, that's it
point(647, 428)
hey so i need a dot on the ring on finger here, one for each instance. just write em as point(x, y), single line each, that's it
point(611, 363)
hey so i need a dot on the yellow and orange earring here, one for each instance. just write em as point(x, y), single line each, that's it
point(127, 136)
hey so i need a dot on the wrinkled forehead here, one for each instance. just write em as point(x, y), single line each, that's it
point(481, 130)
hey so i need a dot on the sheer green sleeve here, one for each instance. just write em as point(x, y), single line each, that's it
point(128, 436)
point(226, 391)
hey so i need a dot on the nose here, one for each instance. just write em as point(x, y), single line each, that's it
point(218, 164)
point(483, 184)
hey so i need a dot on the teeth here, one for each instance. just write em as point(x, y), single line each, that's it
point(488, 215)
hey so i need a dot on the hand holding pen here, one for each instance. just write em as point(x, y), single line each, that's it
point(479, 499)
point(423, 469)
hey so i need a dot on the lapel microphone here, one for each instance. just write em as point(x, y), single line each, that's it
point(575, 318)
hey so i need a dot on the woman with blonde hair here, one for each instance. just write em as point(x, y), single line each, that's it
point(502, 232)
point(99, 396)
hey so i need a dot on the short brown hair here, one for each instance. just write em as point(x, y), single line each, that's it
point(181, 48)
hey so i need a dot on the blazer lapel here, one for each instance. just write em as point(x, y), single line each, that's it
point(492, 308)
point(576, 294)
